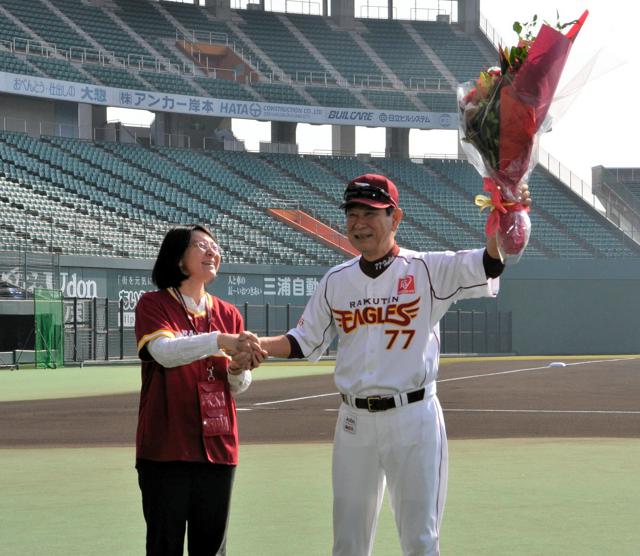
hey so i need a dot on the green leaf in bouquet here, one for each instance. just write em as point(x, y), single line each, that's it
point(561, 26)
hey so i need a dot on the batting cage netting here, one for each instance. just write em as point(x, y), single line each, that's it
point(49, 328)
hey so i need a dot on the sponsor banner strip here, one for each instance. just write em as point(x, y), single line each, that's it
point(55, 89)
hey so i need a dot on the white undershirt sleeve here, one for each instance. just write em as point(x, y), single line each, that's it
point(172, 352)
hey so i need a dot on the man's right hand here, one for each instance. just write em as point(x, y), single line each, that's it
point(244, 349)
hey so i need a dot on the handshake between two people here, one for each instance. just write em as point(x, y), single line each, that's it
point(244, 351)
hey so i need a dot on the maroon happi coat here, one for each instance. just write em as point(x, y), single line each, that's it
point(169, 420)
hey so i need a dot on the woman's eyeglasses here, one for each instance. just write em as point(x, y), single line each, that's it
point(207, 246)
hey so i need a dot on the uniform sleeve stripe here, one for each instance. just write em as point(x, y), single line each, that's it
point(482, 285)
point(433, 293)
point(157, 334)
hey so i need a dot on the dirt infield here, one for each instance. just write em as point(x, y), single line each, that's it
point(481, 399)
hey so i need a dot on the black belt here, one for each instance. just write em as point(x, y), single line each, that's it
point(378, 403)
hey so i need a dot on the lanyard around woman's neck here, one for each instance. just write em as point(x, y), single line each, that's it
point(210, 365)
point(190, 317)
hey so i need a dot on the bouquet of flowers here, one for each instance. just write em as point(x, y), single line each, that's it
point(502, 114)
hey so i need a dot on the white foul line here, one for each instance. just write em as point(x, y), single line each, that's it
point(298, 399)
point(535, 369)
point(457, 378)
point(599, 411)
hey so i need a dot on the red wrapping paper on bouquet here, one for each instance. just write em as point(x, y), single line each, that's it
point(502, 115)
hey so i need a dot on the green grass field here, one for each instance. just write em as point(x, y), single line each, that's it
point(516, 497)
point(506, 498)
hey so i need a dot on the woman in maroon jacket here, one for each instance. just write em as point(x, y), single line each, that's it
point(187, 437)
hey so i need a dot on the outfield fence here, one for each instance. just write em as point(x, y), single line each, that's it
point(100, 329)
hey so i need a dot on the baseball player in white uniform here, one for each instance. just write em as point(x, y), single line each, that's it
point(385, 307)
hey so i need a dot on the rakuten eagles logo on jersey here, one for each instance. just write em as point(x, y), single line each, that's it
point(399, 314)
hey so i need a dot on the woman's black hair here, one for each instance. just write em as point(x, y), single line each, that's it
point(166, 270)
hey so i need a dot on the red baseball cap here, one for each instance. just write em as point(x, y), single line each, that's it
point(373, 190)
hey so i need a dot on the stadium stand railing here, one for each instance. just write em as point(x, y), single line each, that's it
point(137, 42)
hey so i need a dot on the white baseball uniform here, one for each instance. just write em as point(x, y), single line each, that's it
point(389, 346)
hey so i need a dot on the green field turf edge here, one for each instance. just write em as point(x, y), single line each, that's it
point(517, 497)
point(72, 382)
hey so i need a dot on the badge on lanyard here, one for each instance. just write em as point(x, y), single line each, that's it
point(214, 408)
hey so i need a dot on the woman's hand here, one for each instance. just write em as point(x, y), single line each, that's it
point(244, 349)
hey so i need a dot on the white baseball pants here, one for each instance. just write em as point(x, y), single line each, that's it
point(406, 448)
